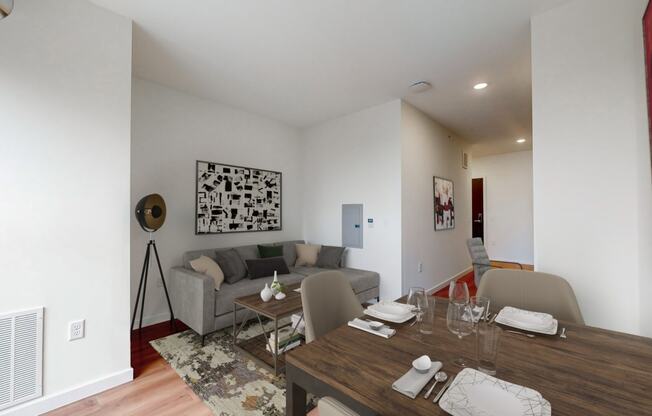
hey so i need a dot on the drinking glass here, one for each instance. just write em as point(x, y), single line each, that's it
point(479, 308)
point(488, 338)
point(459, 320)
point(428, 316)
point(417, 298)
point(458, 292)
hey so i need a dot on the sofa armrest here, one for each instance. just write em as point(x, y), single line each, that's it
point(193, 299)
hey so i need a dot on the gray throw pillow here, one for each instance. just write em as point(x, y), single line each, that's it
point(266, 267)
point(330, 257)
point(231, 265)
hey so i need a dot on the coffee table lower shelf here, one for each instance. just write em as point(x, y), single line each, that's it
point(256, 346)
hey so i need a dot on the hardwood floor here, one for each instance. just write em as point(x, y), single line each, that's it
point(155, 390)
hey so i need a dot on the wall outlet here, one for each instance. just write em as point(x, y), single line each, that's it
point(420, 267)
point(76, 330)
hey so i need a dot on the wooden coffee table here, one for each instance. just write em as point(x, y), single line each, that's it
point(275, 310)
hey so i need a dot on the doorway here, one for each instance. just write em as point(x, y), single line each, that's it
point(477, 207)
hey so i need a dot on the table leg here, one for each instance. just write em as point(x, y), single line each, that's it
point(295, 396)
point(276, 347)
point(234, 324)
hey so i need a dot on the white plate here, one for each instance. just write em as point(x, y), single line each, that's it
point(391, 308)
point(473, 393)
point(390, 318)
point(542, 323)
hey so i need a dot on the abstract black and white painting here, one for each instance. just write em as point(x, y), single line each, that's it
point(233, 199)
point(444, 204)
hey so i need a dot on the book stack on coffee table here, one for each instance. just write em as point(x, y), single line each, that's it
point(288, 338)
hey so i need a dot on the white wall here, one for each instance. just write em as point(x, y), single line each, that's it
point(356, 159)
point(171, 131)
point(507, 205)
point(592, 188)
point(427, 150)
point(65, 82)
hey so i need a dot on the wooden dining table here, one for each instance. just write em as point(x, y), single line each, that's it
point(592, 371)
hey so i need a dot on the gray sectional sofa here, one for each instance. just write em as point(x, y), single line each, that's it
point(199, 305)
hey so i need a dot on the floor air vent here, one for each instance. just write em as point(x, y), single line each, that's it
point(21, 356)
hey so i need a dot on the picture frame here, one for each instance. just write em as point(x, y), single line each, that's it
point(443, 203)
point(232, 199)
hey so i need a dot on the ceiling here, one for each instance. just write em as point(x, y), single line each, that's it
point(303, 61)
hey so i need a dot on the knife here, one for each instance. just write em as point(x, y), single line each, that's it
point(443, 389)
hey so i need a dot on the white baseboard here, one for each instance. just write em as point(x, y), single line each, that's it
point(446, 282)
point(56, 400)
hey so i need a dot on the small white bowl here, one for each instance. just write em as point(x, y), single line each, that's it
point(280, 296)
point(422, 364)
point(375, 325)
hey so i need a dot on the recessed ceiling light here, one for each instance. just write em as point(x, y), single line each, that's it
point(480, 86)
point(520, 140)
point(420, 86)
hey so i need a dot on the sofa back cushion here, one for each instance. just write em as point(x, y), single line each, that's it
point(290, 250)
point(266, 267)
point(330, 257)
point(247, 253)
point(231, 264)
point(270, 251)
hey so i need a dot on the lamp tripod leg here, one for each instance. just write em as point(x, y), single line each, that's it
point(167, 296)
point(142, 305)
point(140, 287)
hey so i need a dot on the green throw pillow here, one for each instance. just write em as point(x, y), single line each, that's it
point(270, 251)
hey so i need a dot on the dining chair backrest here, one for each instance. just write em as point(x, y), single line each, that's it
point(479, 258)
point(328, 302)
point(330, 407)
point(534, 291)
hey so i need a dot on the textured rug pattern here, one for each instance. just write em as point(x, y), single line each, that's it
point(229, 383)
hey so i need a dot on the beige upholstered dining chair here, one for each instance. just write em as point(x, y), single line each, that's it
point(534, 291)
point(328, 302)
point(328, 406)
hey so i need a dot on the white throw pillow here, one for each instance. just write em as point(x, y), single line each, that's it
point(209, 267)
point(307, 254)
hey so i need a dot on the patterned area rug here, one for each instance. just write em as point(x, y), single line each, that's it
point(229, 383)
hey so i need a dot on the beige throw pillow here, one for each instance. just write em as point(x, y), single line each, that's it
point(307, 254)
point(207, 266)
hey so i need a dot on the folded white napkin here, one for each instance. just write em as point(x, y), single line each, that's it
point(385, 331)
point(412, 382)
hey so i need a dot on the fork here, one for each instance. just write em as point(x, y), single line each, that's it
point(521, 333)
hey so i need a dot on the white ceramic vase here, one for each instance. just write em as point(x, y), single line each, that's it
point(266, 294)
point(276, 285)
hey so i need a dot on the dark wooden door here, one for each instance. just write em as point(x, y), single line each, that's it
point(477, 207)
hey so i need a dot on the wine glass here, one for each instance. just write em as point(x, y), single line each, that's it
point(459, 320)
point(458, 292)
point(480, 308)
point(417, 298)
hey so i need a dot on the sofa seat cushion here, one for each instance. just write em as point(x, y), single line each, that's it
point(361, 280)
point(228, 292)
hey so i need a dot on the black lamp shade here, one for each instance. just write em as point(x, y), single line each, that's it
point(150, 212)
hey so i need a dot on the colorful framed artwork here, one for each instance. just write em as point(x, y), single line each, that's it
point(444, 203)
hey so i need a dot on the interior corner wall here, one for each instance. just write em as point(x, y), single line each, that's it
point(591, 158)
point(507, 205)
point(356, 159)
point(171, 131)
point(65, 96)
point(427, 150)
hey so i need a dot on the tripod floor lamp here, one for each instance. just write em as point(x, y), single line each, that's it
point(150, 213)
